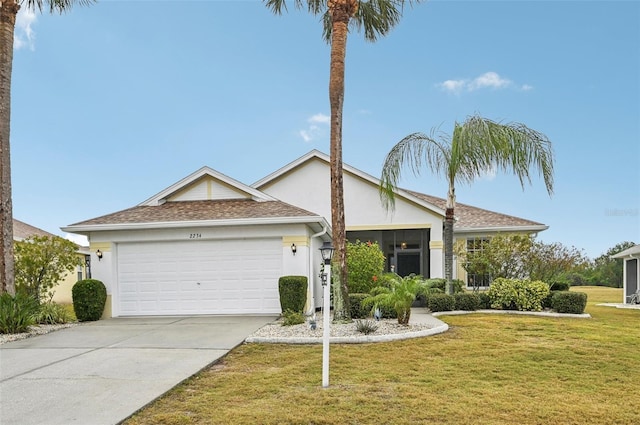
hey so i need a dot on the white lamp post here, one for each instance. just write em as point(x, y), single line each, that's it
point(327, 253)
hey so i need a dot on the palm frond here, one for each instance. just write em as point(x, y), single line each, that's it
point(58, 6)
point(480, 144)
point(414, 151)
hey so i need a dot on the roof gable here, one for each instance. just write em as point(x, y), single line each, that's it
point(316, 155)
point(206, 184)
point(22, 230)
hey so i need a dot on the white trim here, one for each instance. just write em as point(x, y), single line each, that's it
point(160, 197)
point(80, 229)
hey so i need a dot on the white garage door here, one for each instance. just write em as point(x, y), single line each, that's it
point(199, 277)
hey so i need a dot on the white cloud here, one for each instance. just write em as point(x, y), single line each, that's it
point(315, 128)
point(24, 36)
point(488, 80)
point(319, 119)
point(454, 86)
point(78, 239)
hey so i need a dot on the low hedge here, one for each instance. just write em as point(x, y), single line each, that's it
point(293, 293)
point(441, 302)
point(484, 301)
point(569, 302)
point(355, 304)
point(89, 297)
point(467, 301)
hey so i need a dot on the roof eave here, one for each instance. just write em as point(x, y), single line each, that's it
point(88, 228)
point(494, 229)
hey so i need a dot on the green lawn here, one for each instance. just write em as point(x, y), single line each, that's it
point(487, 369)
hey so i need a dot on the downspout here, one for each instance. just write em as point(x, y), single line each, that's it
point(312, 282)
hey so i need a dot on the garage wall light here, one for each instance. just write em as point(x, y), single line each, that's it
point(99, 255)
point(294, 249)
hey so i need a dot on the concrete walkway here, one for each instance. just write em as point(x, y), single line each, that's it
point(102, 372)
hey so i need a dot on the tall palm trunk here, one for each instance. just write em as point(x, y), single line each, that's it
point(448, 239)
point(341, 11)
point(8, 11)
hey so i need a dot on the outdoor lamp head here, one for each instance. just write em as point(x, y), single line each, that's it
point(99, 255)
point(327, 252)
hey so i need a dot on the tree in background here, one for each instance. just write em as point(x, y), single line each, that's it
point(476, 146)
point(41, 264)
point(607, 271)
point(377, 18)
point(517, 256)
point(8, 12)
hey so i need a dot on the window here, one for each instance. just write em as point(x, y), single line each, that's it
point(477, 279)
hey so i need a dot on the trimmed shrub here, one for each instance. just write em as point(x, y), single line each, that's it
point(484, 301)
point(293, 293)
point(441, 284)
point(441, 302)
point(16, 313)
point(355, 304)
point(517, 294)
point(467, 301)
point(365, 264)
point(89, 297)
point(51, 313)
point(559, 285)
point(546, 303)
point(569, 302)
point(290, 318)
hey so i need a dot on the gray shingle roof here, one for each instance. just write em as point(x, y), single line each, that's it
point(469, 217)
point(22, 230)
point(228, 209)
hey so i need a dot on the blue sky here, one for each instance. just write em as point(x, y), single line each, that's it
point(114, 102)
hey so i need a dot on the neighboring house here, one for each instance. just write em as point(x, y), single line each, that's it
point(631, 271)
point(22, 230)
point(211, 245)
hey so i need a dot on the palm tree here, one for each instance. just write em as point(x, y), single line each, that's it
point(377, 18)
point(477, 146)
point(8, 12)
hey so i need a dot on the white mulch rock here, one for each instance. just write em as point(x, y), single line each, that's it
point(276, 331)
point(33, 331)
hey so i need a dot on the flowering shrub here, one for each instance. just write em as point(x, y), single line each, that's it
point(365, 263)
point(517, 294)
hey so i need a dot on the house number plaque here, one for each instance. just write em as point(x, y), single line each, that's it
point(195, 235)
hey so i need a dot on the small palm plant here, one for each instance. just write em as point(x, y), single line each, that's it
point(399, 295)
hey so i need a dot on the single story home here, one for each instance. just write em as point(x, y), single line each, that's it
point(210, 244)
point(631, 271)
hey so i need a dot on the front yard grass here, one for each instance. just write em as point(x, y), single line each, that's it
point(487, 369)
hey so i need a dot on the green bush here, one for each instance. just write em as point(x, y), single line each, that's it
point(569, 302)
point(440, 283)
point(16, 313)
point(518, 294)
point(559, 284)
point(51, 313)
point(467, 301)
point(484, 301)
point(546, 303)
point(290, 317)
point(355, 304)
point(365, 264)
point(89, 297)
point(441, 302)
point(293, 293)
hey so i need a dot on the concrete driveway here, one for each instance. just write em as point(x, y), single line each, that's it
point(102, 372)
